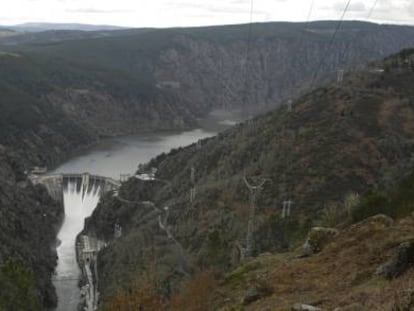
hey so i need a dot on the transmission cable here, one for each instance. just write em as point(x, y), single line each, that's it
point(331, 42)
point(370, 12)
point(307, 23)
point(247, 58)
point(372, 9)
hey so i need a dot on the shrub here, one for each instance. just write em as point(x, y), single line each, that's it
point(332, 215)
point(143, 295)
point(17, 288)
point(196, 294)
point(371, 205)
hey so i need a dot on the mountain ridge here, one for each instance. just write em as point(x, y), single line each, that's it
point(38, 27)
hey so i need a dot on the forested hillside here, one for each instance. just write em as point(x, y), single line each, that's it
point(145, 79)
point(337, 140)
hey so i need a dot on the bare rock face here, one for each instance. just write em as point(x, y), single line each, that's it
point(251, 295)
point(318, 238)
point(401, 260)
point(256, 292)
point(216, 73)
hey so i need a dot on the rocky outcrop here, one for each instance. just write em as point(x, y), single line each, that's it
point(256, 292)
point(379, 221)
point(401, 260)
point(318, 238)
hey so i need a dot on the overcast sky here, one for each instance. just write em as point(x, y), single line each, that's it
point(166, 13)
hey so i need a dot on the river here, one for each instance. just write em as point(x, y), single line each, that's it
point(109, 158)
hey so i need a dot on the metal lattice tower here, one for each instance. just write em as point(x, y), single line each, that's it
point(117, 231)
point(290, 134)
point(192, 182)
point(286, 208)
point(124, 177)
point(163, 223)
point(289, 105)
point(198, 144)
point(340, 76)
point(254, 192)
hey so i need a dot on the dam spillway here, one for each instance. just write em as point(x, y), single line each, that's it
point(79, 200)
point(80, 194)
point(57, 184)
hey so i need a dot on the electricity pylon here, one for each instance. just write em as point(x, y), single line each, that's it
point(286, 208)
point(340, 76)
point(192, 182)
point(254, 191)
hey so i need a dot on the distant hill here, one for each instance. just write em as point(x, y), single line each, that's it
point(5, 32)
point(124, 81)
point(12, 38)
point(38, 27)
point(209, 65)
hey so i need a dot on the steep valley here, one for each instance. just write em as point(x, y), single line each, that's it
point(338, 140)
point(63, 92)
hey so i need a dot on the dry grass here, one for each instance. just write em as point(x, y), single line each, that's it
point(341, 275)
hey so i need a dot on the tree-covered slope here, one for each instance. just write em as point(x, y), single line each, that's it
point(221, 66)
point(29, 221)
point(145, 79)
point(338, 139)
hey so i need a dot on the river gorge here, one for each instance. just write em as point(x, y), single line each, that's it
point(110, 158)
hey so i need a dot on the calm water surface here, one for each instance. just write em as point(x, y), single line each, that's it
point(113, 157)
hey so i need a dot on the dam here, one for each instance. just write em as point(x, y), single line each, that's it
point(57, 184)
point(80, 193)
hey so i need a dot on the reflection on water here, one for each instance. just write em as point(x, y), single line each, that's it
point(116, 156)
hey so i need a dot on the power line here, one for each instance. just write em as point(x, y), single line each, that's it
point(248, 48)
point(370, 12)
point(331, 42)
point(302, 33)
point(372, 9)
point(235, 95)
point(307, 23)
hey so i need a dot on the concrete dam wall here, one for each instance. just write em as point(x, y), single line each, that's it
point(56, 184)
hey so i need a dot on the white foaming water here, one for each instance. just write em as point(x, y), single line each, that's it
point(79, 202)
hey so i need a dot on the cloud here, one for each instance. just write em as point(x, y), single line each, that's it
point(353, 7)
point(167, 13)
point(98, 11)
